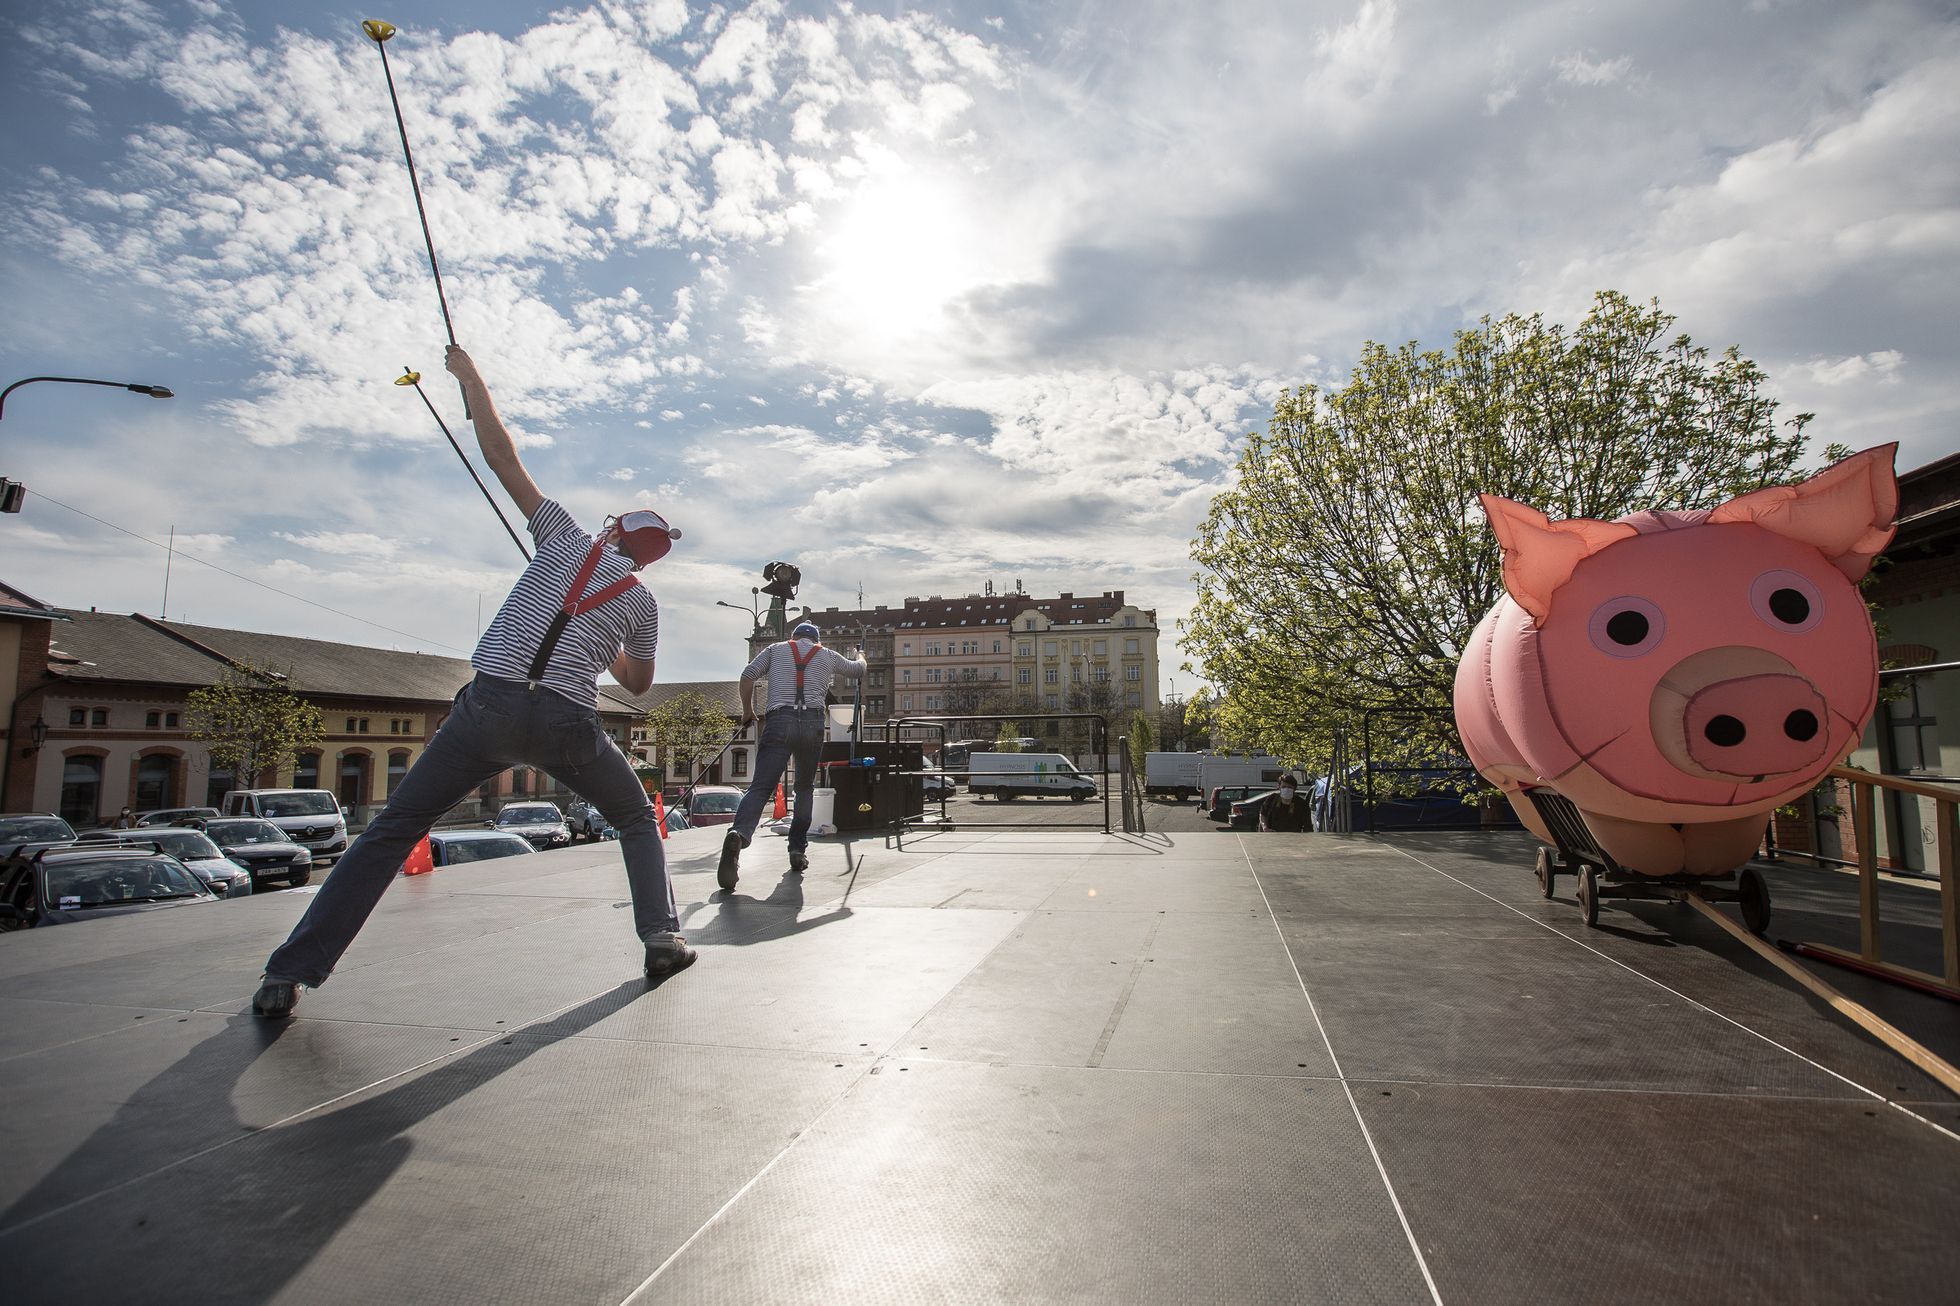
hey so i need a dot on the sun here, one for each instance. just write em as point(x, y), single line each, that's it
point(897, 255)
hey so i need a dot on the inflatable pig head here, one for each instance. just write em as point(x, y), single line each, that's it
point(1681, 667)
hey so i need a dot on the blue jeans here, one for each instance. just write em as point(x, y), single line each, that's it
point(786, 733)
point(495, 724)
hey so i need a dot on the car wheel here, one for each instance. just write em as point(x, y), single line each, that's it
point(298, 878)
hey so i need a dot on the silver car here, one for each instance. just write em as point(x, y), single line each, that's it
point(193, 848)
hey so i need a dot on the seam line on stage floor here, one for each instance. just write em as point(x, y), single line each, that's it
point(1341, 1075)
point(1665, 988)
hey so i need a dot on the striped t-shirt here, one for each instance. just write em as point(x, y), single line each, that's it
point(591, 640)
point(780, 665)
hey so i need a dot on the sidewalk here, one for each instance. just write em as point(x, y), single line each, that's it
point(1026, 1066)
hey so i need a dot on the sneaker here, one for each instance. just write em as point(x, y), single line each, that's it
point(275, 999)
point(798, 863)
point(731, 858)
point(668, 954)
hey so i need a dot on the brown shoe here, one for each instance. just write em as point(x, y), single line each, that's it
point(668, 954)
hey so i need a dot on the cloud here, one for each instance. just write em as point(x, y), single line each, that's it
point(1581, 70)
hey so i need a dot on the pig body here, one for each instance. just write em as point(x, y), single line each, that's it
point(1678, 675)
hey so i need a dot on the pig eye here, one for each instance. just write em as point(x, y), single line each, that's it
point(1626, 627)
point(1787, 601)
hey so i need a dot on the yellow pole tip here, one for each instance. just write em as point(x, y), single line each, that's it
point(378, 30)
point(408, 378)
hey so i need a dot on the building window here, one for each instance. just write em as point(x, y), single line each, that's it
point(99, 717)
point(1101, 647)
point(353, 779)
point(877, 680)
point(1909, 718)
point(1135, 699)
point(81, 790)
point(996, 646)
point(397, 769)
point(932, 650)
point(996, 675)
point(1050, 676)
point(1024, 650)
point(875, 706)
point(156, 782)
point(364, 725)
point(1129, 621)
point(169, 720)
point(151, 720)
point(905, 702)
point(932, 704)
point(905, 676)
point(77, 716)
point(1133, 673)
point(217, 785)
point(906, 649)
point(1054, 702)
point(738, 764)
point(1129, 646)
point(306, 771)
point(1024, 675)
point(1048, 647)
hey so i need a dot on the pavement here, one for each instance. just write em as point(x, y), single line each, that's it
point(1031, 1066)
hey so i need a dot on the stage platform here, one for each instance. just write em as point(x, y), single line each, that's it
point(1047, 1066)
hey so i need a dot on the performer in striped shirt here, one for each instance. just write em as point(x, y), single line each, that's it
point(577, 610)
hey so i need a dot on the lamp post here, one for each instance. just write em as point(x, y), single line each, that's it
point(12, 493)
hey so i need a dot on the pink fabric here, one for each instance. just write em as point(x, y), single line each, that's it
point(1670, 667)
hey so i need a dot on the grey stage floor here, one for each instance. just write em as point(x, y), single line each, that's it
point(1034, 1066)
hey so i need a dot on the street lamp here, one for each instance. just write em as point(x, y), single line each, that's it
point(38, 732)
point(12, 493)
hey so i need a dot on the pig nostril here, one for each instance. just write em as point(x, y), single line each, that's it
point(1800, 725)
point(1724, 731)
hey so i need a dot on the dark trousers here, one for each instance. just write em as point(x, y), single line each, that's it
point(495, 724)
point(787, 733)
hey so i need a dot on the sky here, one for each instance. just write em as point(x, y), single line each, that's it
point(916, 296)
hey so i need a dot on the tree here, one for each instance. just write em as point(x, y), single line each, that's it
point(1142, 743)
point(1009, 738)
point(688, 730)
point(1350, 560)
point(251, 723)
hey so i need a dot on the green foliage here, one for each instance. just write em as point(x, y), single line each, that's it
point(251, 723)
point(1143, 740)
point(1009, 738)
point(1351, 559)
point(688, 729)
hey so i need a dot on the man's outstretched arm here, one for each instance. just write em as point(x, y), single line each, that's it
point(499, 450)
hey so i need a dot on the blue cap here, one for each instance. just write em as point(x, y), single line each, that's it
point(806, 630)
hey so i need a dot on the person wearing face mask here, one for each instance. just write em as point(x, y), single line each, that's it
point(797, 669)
point(577, 609)
point(1284, 809)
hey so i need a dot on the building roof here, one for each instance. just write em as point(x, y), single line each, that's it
point(19, 603)
point(978, 610)
point(108, 646)
point(728, 693)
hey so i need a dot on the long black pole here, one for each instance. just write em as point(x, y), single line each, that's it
point(417, 383)
point(408, 156)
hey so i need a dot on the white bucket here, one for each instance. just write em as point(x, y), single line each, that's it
point(823, 811)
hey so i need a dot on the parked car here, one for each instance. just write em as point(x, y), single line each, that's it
point(584, 820)
point(1218, 806)
point(34, 827)
point(312, 818)
point(262, 848)
point(75, 882)
point(1405, 798)
point(174, 816)
point(455, 847)
point(542, 824)
point(220, 874)
point(1243, 814)
point(938, 786)
point(713, 805)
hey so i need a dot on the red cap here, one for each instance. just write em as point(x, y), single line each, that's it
point(646, 536)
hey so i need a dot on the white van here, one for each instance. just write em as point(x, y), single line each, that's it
point(1007, 776)
point(311, 818)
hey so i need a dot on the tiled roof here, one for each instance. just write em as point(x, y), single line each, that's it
point(19, 603)
point(143, 650)
point(726, 692)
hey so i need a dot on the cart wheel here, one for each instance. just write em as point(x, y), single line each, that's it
point(1753, 895)
point(1547, 873)
point(1589, 894)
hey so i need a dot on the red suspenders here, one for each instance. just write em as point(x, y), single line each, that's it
point(574, 605)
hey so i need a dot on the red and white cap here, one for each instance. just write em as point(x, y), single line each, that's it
point(645, 536)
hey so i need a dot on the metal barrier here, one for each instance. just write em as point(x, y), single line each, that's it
point(1132, 790)
point(896, 727)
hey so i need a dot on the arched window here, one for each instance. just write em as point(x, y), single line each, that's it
point(81, 790)
point(156, 781)
point(397, 768)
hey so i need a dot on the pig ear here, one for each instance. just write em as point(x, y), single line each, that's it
point(1845, 511)
point(1539, 553)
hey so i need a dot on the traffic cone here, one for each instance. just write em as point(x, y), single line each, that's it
point(660, 815)
point(782, 808)
point(420, 860)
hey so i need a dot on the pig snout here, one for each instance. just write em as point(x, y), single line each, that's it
point(1756, 726)
point(1739, 713)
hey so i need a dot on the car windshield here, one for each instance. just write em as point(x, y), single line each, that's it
point(717, 804)
point(479, 850)
point(238, 834)
point(185, 845)
point(529, 816)
point(86, 882)
point(34, 829)
point(298, 805)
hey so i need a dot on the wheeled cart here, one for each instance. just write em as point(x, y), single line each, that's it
point(1578, 854)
